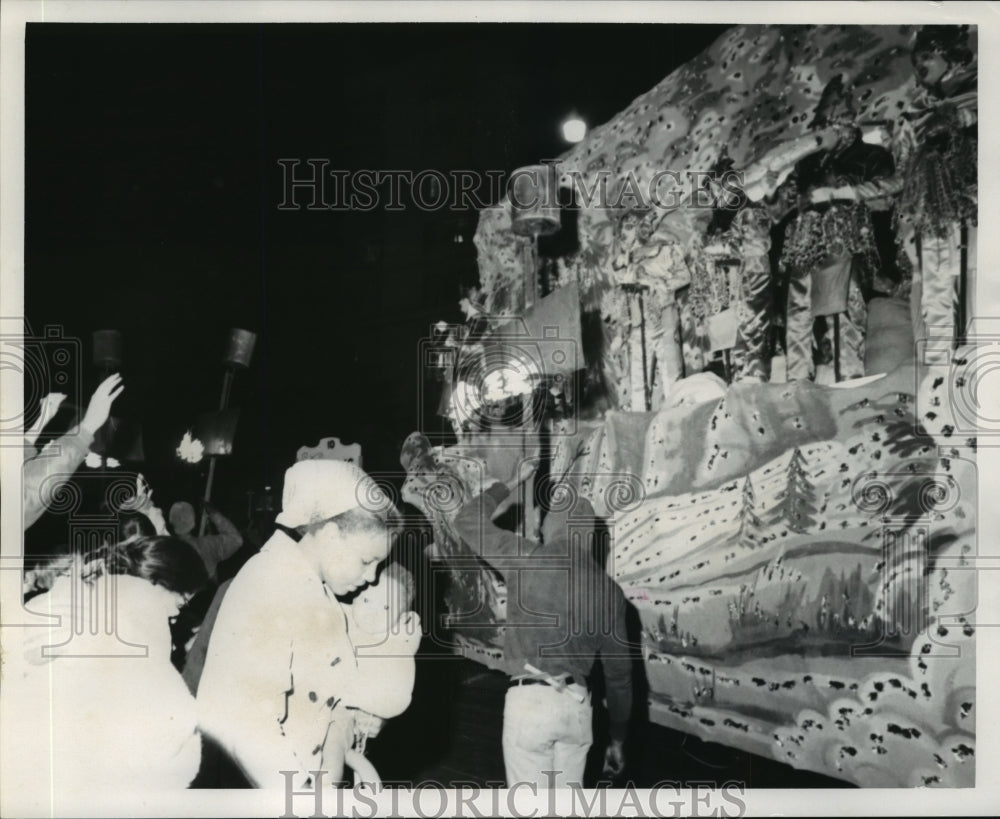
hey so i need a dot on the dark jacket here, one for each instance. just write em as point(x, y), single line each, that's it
point(563, 611)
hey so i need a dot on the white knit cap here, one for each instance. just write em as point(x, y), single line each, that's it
point(319, 489)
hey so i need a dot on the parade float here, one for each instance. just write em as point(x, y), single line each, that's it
point(800, 551)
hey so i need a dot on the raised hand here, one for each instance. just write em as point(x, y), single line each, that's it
point(143, 492)
point(143, 496)
point(100, 403)
point(48, 407)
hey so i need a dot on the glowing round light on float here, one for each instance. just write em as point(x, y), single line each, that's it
point(506, 382)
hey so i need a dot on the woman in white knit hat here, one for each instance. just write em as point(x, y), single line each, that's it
point(280, 659)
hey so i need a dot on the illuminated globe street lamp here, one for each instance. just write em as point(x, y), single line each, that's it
point(574, 129)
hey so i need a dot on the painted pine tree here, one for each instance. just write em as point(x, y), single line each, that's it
point(796, 507)
point(750, 524)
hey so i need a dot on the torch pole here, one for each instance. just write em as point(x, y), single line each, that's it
point(227, 387)
point(208, 494)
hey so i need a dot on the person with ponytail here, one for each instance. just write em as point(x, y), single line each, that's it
point(102, 707)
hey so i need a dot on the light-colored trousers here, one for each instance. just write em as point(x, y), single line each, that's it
point(937, 263)
point(801, 314)
point(545, 730)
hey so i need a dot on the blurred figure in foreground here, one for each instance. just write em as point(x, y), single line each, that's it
point(103, 708)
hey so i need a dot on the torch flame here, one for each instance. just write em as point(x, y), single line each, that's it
point(191, 449)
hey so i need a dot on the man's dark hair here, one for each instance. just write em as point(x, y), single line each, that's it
point(162, 560)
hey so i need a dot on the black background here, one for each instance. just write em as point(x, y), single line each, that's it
point(152, 192)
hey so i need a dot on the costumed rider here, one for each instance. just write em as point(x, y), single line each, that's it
point(829, 251)
point(729, 304)
point(935, 148)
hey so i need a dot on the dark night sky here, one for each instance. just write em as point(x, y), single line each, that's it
point(152, 187)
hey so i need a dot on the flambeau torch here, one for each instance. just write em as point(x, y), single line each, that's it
point(239, 351)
